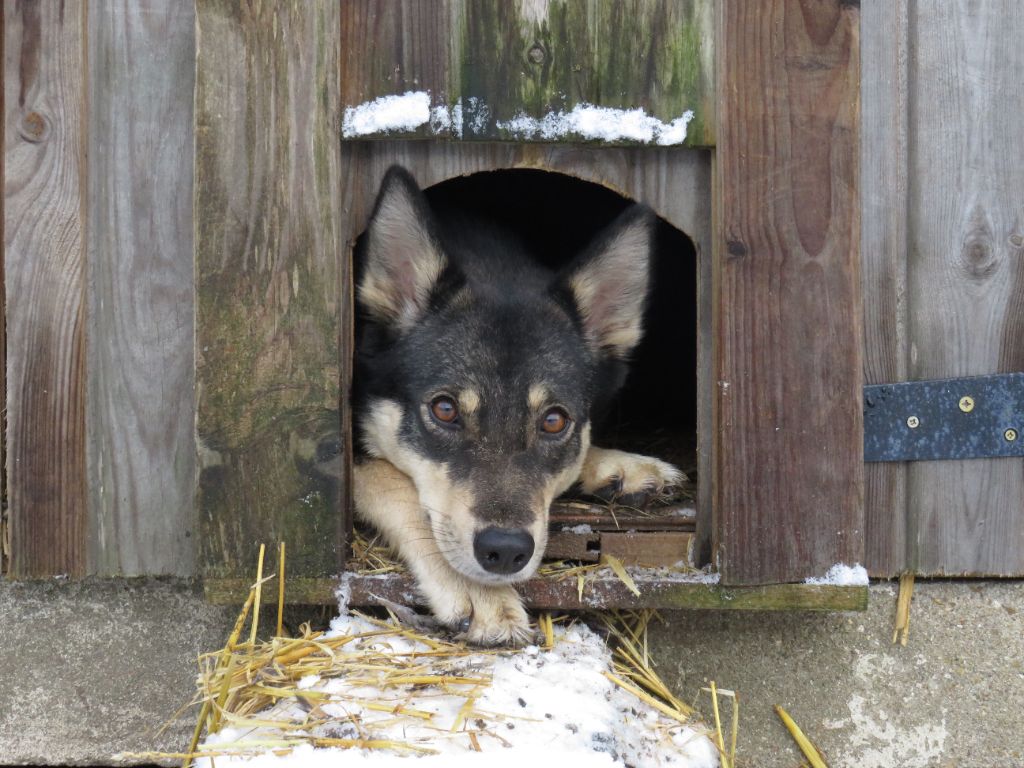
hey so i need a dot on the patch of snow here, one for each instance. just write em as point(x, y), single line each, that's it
point(581, 528)
point(841, 575)
point(406, 112)
point(603, 123)
point(546, 707)
point(412, 110)
point(683, 512)
point(344, 591)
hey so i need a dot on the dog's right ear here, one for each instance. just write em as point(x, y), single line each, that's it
point(403, 260)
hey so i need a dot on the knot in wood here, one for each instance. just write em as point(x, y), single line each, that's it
point(736, 249)
point(537, 54)
point(33, 127)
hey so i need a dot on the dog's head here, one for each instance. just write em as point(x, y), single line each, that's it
point(479, 375)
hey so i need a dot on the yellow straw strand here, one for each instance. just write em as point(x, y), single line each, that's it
point(280, 589)
point(809, 750)
point(259, 592)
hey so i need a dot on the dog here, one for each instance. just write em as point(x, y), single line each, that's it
point(477, 379)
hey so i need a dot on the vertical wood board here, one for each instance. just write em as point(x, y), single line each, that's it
point(44, 252)
point(271, 282)
point(788, 493)
point(884, 182)
point(141, 410)
point(966, 265)
point(493, 69)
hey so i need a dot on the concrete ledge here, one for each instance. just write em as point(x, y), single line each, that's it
point(93, 668)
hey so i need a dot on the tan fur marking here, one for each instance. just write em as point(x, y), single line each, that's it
point(537, 397)
point(469, 401)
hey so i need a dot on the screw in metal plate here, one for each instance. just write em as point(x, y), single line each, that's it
point(966, 403)
point(913, 422)
point(1010, 435)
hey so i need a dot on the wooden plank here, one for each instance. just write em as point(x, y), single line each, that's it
point(272, 283)
point(966, 270)
point(884, 181)
point(645, 549)
point(44, 247)
point(675, 184)
point(603, 593)
point(499, 62)
point(788, 493)
point(649, 550)
point(585, 547)
point(141, 410)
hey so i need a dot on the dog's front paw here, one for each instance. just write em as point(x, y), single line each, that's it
point(627, 478)
point(498, 617)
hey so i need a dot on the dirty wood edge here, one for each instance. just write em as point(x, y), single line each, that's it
point(600, 593)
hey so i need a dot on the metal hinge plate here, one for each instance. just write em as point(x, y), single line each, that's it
point(969, 418)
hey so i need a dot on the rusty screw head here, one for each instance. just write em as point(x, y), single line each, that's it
point(913, 422)
point(966, 403)
point(1010, 435)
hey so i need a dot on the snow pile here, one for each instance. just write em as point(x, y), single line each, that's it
point(412, 110)
point(391, 113)
point(841, 575)
point(545, 707)
point(603, 123)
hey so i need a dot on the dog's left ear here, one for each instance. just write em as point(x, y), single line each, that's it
point(608, 283)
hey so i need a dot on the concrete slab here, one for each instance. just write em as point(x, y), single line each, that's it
point(89, 669)
point(953, 697)
point(93, 668)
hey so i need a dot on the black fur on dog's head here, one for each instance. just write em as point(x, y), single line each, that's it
point(478, 370)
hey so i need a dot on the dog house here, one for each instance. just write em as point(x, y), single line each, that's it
point(179, 334)
point(615, 95)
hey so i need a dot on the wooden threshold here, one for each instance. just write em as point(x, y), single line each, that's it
point(599, 593)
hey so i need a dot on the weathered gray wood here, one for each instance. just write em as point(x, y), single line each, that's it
point(884, 50)
point(141, 409)
point(272, 282)
point(44, 164)
point(788, 482)
point(499, 60)
point(675, 184)
point(966, 264)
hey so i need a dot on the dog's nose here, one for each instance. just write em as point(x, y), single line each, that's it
point(503, 550)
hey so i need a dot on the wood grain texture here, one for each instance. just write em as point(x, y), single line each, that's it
point(884, 182)
point(966, 265)
point(675, 184)
point(141, 423)
point(603, 593)
point(44, 165)
point(271, 282)
point(5, 539)
point(788, 493)
point(503, 59)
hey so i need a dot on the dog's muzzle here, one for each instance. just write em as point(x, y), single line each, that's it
point(503, 550)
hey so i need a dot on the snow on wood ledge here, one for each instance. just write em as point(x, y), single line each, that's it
point(411, 112)
point(842, 575)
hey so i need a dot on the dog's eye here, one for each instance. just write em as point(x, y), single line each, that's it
point(555, 421)
point(444, 409)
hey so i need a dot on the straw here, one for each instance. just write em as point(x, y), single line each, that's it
point(809, 750)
